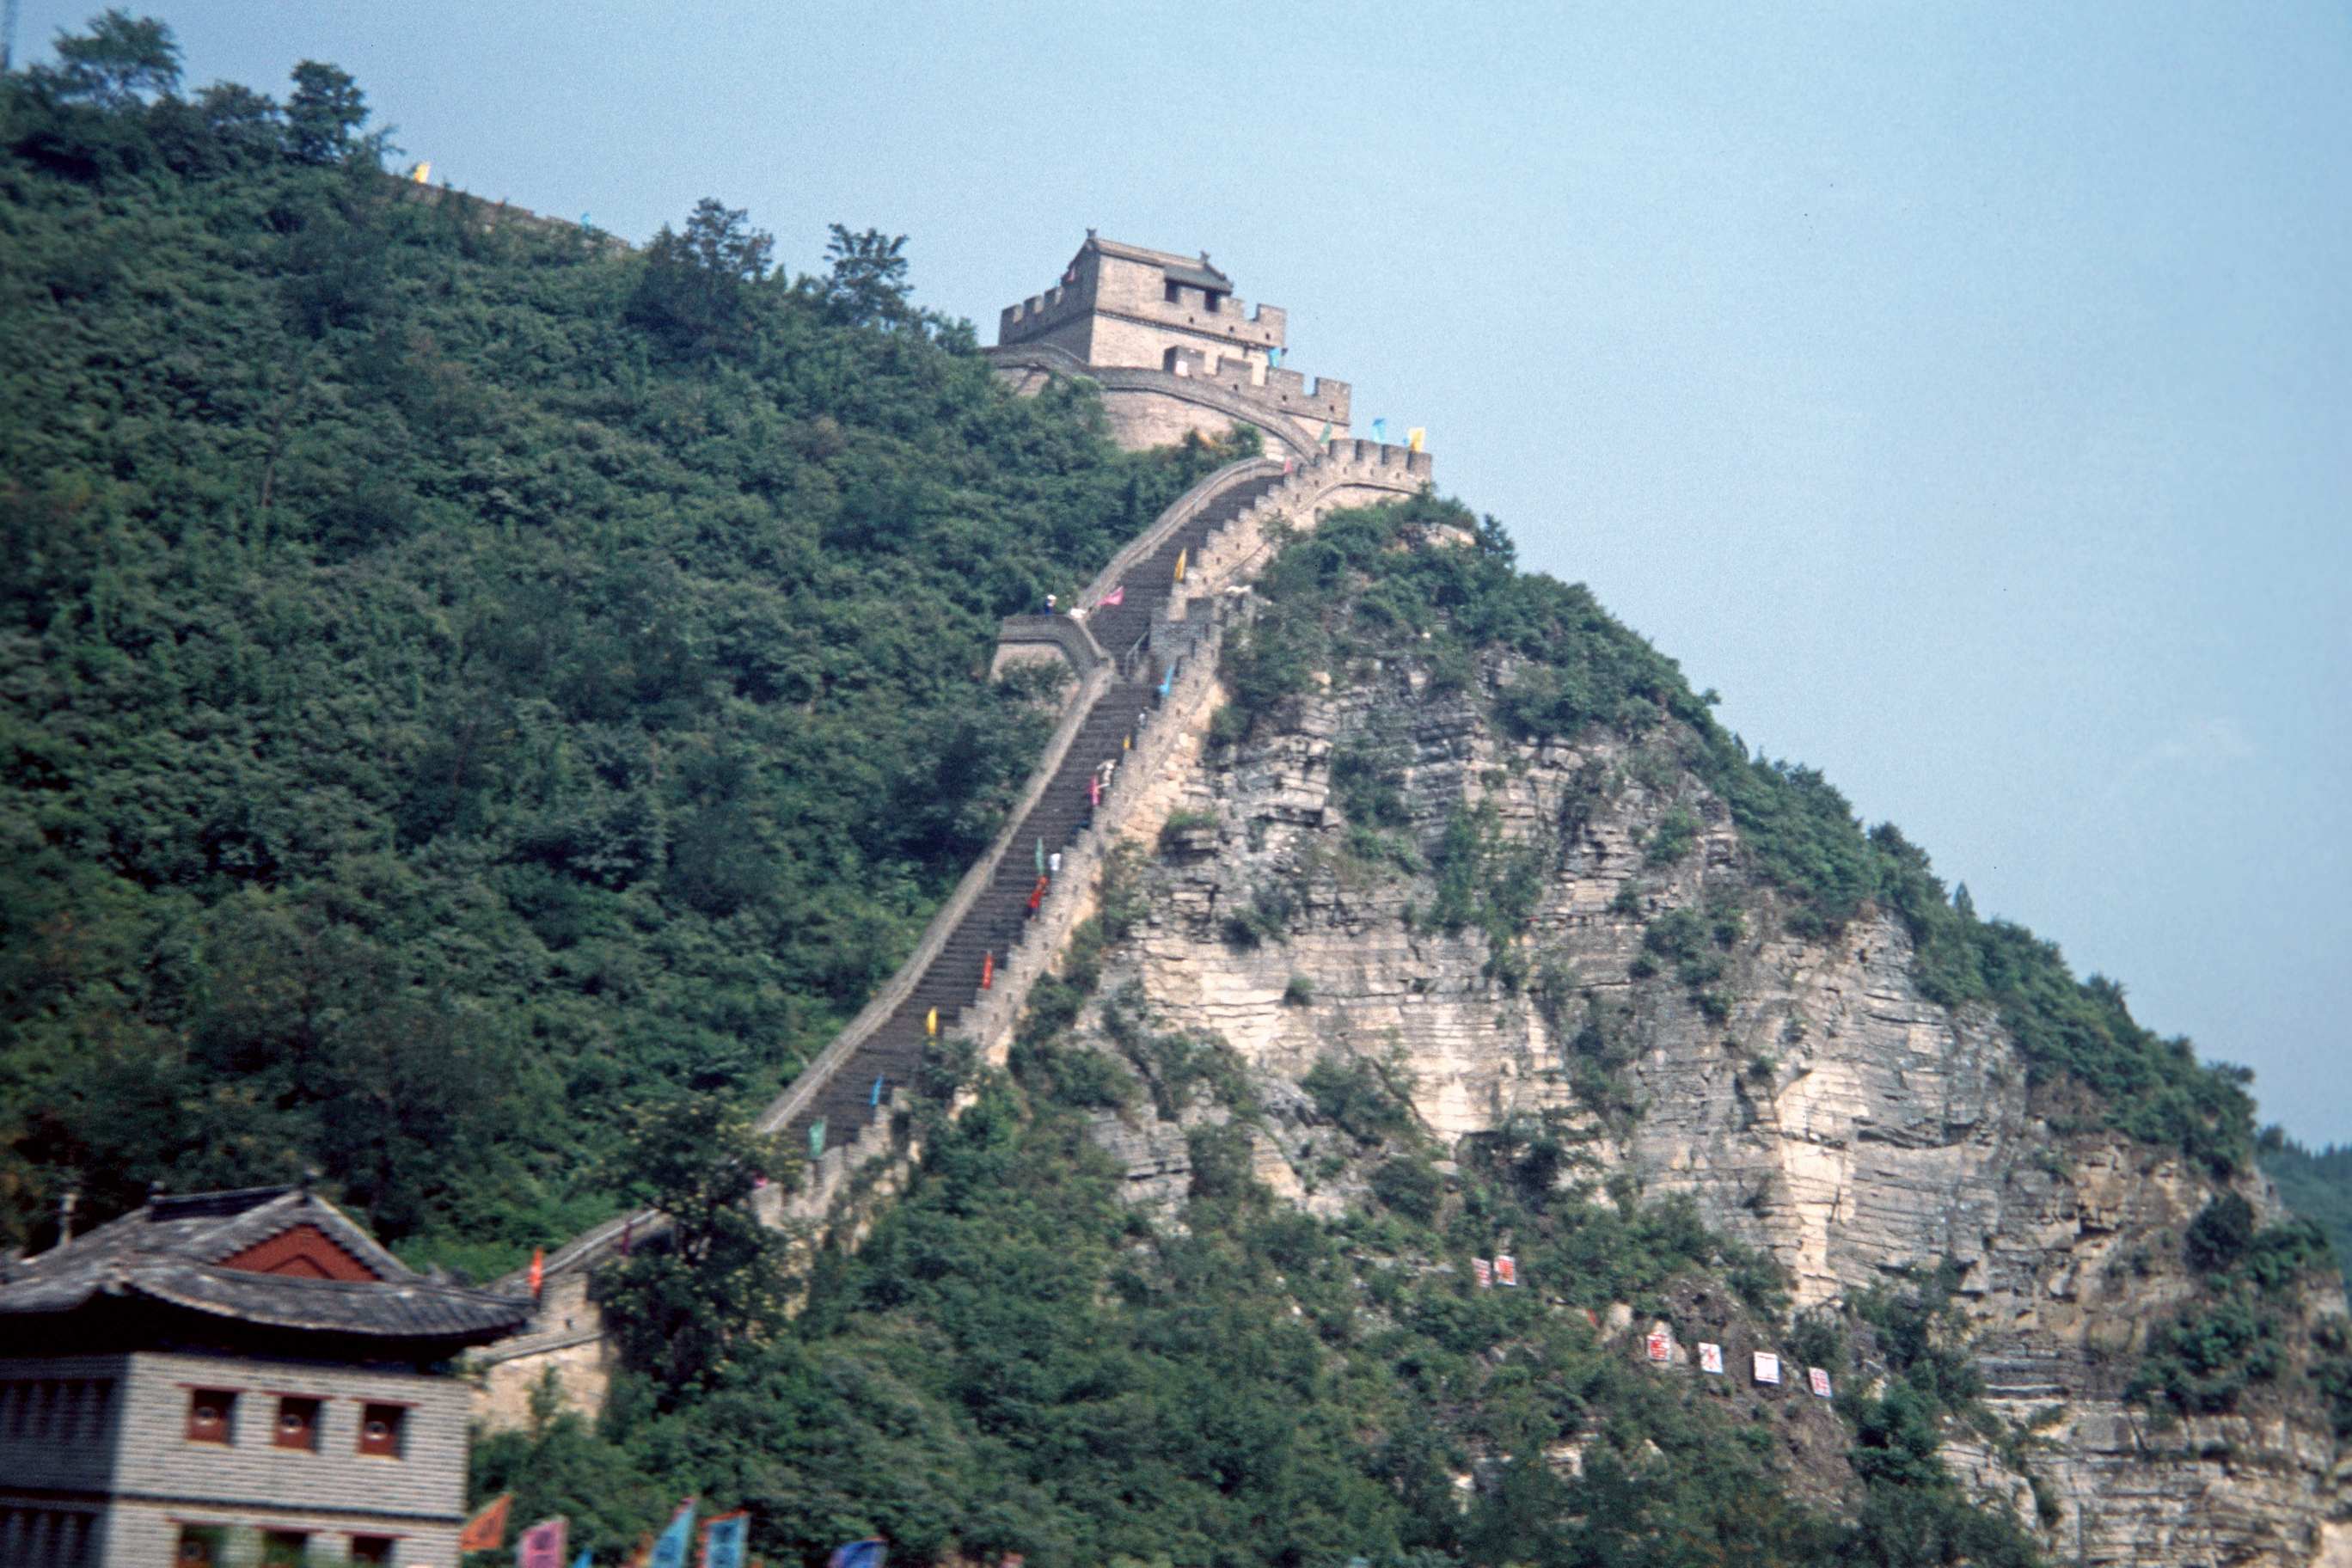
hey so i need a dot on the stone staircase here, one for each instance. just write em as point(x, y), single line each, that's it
point(1153, 653)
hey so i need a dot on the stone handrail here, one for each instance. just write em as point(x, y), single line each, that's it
point(1074, 638)
point(819, 1072)
point(1186, 507)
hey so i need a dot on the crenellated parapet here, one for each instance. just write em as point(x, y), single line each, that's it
point(1174, 349)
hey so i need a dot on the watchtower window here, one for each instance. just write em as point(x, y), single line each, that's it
point(1210, 301)
point(1173, 294)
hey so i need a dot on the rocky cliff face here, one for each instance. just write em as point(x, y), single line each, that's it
point(1575, 934)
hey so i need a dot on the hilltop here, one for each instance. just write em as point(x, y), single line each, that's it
point(484, 706)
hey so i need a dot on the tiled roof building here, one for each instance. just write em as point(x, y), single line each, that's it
point(233, 1380)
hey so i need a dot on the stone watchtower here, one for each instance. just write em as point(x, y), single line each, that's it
point(1172, 348)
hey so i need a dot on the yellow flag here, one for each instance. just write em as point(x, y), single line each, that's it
point(1412, 437)
point(1180, 565)
point(931, 1024)
point(424, 174)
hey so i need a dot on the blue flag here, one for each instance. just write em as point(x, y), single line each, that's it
point(722, 1541)
point(1380, 431)
point(586, 1558)
point(866, 1553)
point(669, 1551)
point(876, 1100)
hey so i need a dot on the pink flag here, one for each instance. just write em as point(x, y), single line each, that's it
point(542, 1546)
point(1484, 1270)
point(1115, 596)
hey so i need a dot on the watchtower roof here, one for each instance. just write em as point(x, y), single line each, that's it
point(1194, 271)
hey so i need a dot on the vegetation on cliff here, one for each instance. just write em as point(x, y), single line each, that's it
point(1551, 662)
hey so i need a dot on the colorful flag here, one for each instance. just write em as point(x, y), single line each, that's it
point(542, 1546)
point(875, 1100)
point(1820, 1380)
point(586, 1558)
point(1041, 855)
point(987, 970)
point(1483, 1271)
point(1180, 565)
point(669, 1551)
point(424, 174)
point(1768, 1367)
point(722, 1540)
point(486, 1531)
point(1115, 596)
point(538, 1268)
point(931, 1021)
point(866, 1553)
point(1380, 431)
point(1324, 439)
point(1661, 1346)
point(1165, 681)
point(816, 1138)
point(1274, 356)
point(1507, 1269)
point(1710, 1357)
point(1412, 437)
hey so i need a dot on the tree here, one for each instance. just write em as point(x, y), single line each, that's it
point(869, 283)
point(693, 288)
point(713, 1287)
point(122, 62)
point(327, 106)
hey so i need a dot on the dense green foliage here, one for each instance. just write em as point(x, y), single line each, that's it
point(463, 678)
point(2237, 1334)
point(2317, 1187)
point(1557, 663)
point(1015, 1362)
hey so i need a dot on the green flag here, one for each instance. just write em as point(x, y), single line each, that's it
point(1041, 857)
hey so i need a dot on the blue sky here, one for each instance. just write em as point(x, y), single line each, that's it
point(1964, 392)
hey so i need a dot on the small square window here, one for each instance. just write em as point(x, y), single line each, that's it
point(297, 1424)
point(285, 1549)
point(1173, 294)
point(373, 1550)
point(382, 1429)
point(212, 1415)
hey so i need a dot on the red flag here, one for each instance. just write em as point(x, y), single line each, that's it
point(987, 970)
point(538, 1268)
point(486, 1531)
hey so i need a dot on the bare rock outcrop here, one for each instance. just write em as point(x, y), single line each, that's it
point(1800, 1088)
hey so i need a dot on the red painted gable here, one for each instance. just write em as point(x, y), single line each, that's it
point(306, 1252)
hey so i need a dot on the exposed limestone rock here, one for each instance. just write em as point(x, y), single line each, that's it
point(1804, 1093)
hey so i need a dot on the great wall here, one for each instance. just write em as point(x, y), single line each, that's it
point(1175, 356)
point(1821, 1110)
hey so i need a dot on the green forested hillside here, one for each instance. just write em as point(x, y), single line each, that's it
point(478, 706)
point(459, 677)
